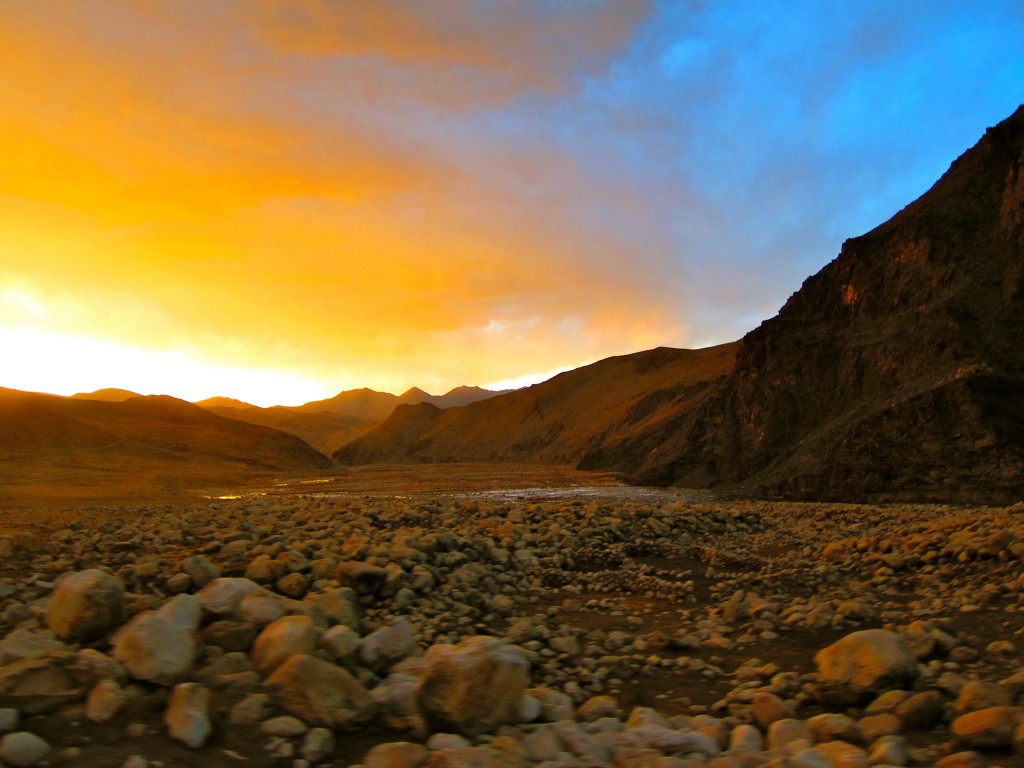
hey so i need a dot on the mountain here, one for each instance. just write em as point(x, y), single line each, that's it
point(325, 431)
point(110, 395)
point(896, 372)
point(377, 406)
point(557, 421)
point(50, 442)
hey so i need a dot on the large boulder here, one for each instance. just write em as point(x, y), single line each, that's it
point(320, 693)
point(85, 605)
point(475, 686)
point(989, 727)
point(859, 665)
point(159, 646)
point(186, 717)
point(386, 646)
point(223, 596)
point(280, 639)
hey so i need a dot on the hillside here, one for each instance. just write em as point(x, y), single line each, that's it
point(376, 406)
point(154, 441)
point(325, 431)
point(557, 421)
point(895, 372)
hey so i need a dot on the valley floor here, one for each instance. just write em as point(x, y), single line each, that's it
point(696, 615)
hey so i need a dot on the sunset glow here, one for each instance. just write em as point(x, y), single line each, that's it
point(279, 201)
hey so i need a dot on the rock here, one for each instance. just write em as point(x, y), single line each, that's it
point(85, 605)
point(554, 705)
point(889, 750)
point(745, 738)
point(474, 757)
point(280, 639)
point(990, 727)
point(285, 725)
point(396, 754)
point(783, 732)
point(920, 710)
point(386, 646)
point(253, 708)
point(186, 716)
point(22, 749)
point(876, 726)
point(580, 743)
point(595, 708)
point(398, 699)
point(261, 609)
point(364, 578)
point(200, 570)
point(839, 754)
point(157, 646)
point(223, 596)
point(36, 686)
point(24, 644)
point(833, 727)
point(977, 694)
point(229, 635)
point(320, 693)
point(767, 708)
point(962, 760)
point(340, 606)
point(104, 701)
point(472, 687)
point(9, 718)
point(669, 740)
point(293, 585)
point(317, 745)
point(340, 641)
point(862, 663)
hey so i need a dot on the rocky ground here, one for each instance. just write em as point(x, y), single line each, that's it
point(480, 630)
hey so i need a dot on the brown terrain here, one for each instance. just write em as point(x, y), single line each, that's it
point(558, 421)
point(895, 372)
point(142, 447)
point(329, 424)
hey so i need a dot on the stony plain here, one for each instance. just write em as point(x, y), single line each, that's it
point(513, 629)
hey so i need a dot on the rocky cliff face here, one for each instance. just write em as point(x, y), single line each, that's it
point(896, 371)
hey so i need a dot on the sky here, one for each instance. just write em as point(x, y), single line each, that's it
point(279, 200)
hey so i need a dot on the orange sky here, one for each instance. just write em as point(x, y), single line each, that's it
point(277, 200)
point(234, 189)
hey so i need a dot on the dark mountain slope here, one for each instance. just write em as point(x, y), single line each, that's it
point(896, 371)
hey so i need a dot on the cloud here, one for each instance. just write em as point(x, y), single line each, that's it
point(447, 47)
point(355, 191)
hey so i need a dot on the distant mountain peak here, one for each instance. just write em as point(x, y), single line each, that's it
point(108, 394)
point(224, 402)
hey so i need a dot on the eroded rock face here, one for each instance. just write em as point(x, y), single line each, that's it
point(473, 687)
point(863, 663)
point(85, 605)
